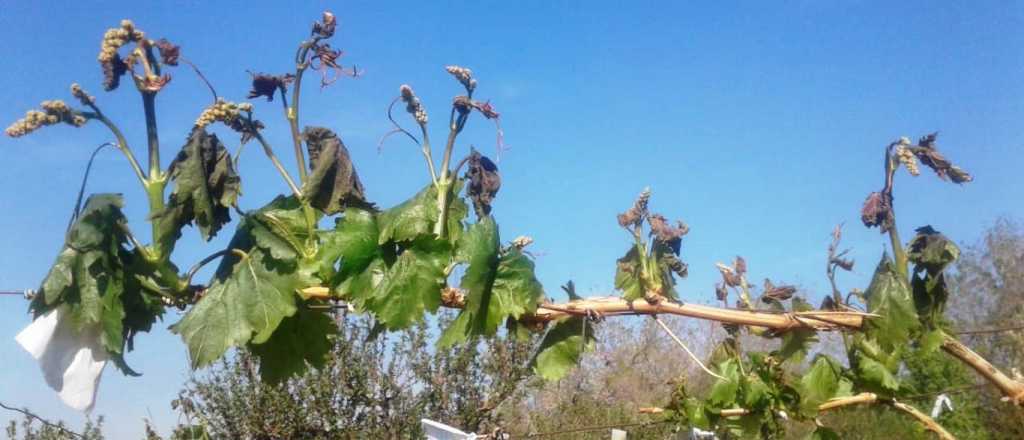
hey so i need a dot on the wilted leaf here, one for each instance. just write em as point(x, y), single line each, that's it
point(628, 274)
point(206, 186)
point(877, 211)
point(484, 182)
point(932, 251)
point(333, 183)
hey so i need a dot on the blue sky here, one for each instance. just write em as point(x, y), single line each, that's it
point(762, 126)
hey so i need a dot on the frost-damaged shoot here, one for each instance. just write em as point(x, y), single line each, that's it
point(282, 268)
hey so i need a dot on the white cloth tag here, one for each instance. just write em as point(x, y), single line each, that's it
point(71, 363)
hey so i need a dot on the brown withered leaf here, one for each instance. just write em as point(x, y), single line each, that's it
point(929, 155)
point(169, 52)
point(843, 263)
point(773, 293)
point(333, 183)
point(877, 211)
point(676, 265)
point(246, 128)
point(729, 276)
point(740, 265)
point(267, 85)
point(484, 182)
point(663, 232)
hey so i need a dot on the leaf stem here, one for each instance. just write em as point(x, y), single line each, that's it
point(292, 111)
point(196, 267)
point(122, 143)
point(891, 165)
point(425, 148)
point(277, 164)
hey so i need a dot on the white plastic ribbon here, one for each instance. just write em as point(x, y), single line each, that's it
point(941, 402)
point(71, 362)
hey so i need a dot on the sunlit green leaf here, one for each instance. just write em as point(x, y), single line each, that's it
point(889, 296)
point(562, 347)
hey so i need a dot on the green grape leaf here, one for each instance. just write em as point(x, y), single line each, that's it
point(90, 280)
point(628, 275)
point(562, 347)
point(724, 392)
point(931, 340)
point(411, 285)
point(206, 186)
point(484, 311)
point(300, 340)
point(819, 384)
point(757, 395)
point(516, 291)
point(889, 296)
point(353, 241)
point(333, 183)
point(246, 302)
point(411, 219)
point(280, 229)
point(415, 218)
point(874, 369)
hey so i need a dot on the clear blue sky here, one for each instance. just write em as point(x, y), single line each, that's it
point(762, 126)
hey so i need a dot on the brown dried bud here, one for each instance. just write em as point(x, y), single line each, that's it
point(877, 211)
point(266, 85)
point(635, 215)
point(776, 293)
point(155, 83)
point(326, 26)
point(169, 52)
point(452, 297)
point(486, 109)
